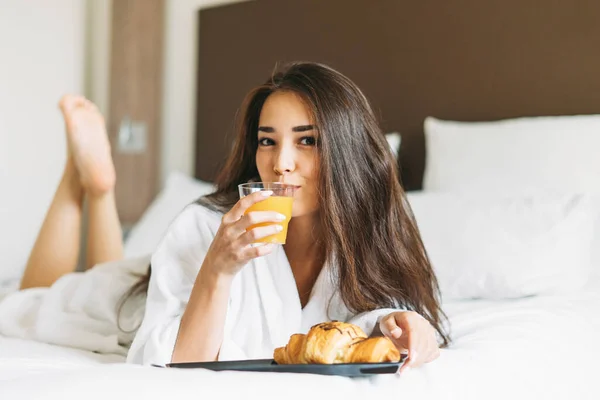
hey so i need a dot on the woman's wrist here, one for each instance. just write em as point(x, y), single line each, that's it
point(209, 279)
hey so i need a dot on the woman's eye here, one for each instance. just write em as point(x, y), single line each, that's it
point(265, 142)
point(308, 141)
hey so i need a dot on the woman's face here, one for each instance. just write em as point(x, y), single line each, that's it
point(287, 149)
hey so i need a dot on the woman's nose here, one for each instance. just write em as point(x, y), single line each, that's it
point(284, 163)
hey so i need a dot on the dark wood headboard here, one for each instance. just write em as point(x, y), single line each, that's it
point(466, 60)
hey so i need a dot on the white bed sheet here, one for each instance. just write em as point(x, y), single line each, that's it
point(21, 358)
point(539, 347)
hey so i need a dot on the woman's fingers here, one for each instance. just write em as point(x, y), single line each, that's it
point(259, 217)
point(390, 328)
point(415, 352)
point(253, 235)
point(239, 227)
point(257, 251)
point(419, 337)
point(413, 334)
point(243, 204)
point(408, 341)
point(230, 249)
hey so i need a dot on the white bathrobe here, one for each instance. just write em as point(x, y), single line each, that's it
point(264, 307)
point(80, 310)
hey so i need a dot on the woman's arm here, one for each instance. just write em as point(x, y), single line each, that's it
point(191, 283)
point(204, 318)
point(201, 330)
point(174, 270)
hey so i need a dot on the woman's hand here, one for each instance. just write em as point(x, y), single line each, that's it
point(230, 250)
point(410, 332)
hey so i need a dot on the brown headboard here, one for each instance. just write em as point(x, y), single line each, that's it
point(466, 60)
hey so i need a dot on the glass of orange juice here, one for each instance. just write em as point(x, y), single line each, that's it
point(280, 201)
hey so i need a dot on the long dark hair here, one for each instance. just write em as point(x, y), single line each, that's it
point(367, 223)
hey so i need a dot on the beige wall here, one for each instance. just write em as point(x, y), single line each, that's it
point(178, 126)
point(97, 52)
point(42, 57)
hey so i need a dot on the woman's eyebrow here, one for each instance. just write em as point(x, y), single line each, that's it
point(300, 128)
point(303, 128)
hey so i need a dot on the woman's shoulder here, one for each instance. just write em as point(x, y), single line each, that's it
point(189, 235)
point(196, 217)
point(203, 211)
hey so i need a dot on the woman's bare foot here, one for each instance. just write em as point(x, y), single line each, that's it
point(88, 144)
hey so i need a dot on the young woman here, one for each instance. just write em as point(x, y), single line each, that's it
point(353, 250)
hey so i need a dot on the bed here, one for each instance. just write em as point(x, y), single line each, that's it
point(458, 60)
point(512, 349)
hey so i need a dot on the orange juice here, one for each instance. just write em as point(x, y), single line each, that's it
point(280, 204)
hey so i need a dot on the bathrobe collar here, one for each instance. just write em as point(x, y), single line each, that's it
point(278, 292)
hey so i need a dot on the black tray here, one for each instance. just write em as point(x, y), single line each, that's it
point(268, 365)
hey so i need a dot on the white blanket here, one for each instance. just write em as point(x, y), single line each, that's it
point(533, 348)
point(79, 310)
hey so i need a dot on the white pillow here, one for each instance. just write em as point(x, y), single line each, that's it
point(179, 191)
point(394, 140)
point(556, 153)
point(506, 247)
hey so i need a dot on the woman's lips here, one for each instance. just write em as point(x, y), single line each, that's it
point(293, 184)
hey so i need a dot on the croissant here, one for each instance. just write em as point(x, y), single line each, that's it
point(334, 343)
point(372, 350)
point(293, 352)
